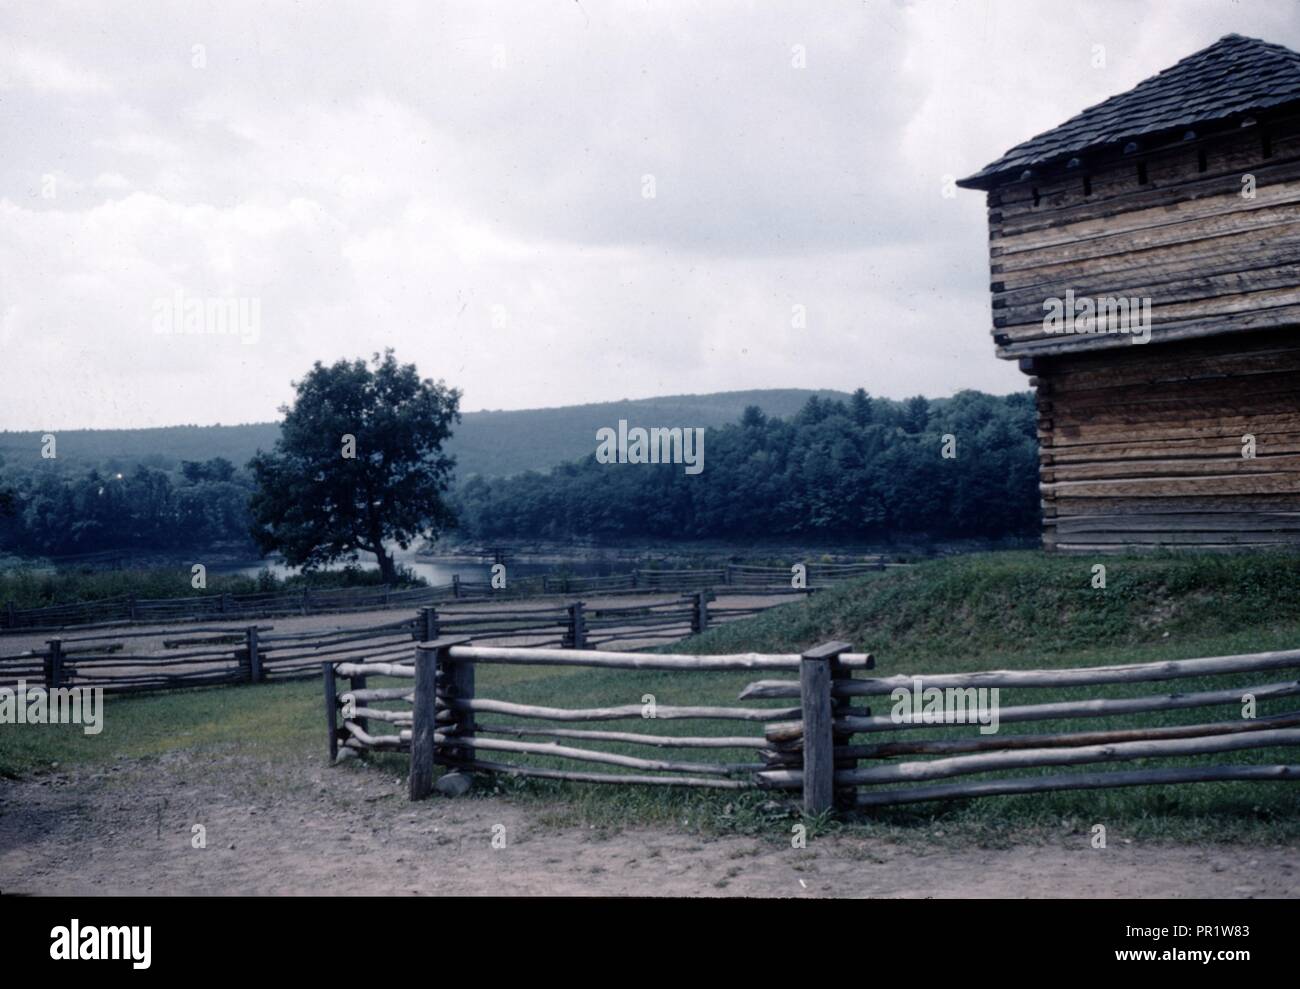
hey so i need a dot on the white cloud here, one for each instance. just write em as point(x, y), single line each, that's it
point(111, 181)
point(46, 72)
point(374, 180)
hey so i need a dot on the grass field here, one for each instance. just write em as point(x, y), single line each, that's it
point(28, 585)
point(1012, 610)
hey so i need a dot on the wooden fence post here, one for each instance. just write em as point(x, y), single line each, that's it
point(430, 658)
point(331, 710)
point(306, 600)
point(635, 578)
point(424, 715)
point(700, 612)
point(385, 595)
point(455, 585)
point(457, 682)
point(818, 740)
point(130, 606)
point(54, 664)
point(254, 658)
point(11, 619)
point(426, 624)
point(356, 683)
point(842, 707)
point(225, 602)
point(577, 626)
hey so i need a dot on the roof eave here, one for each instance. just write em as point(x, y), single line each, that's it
point(981, 181)
point(1209, 129)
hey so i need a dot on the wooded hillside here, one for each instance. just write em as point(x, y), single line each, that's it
point(491, 443)
point(868, 468)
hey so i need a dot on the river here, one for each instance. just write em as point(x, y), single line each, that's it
point(441, 573)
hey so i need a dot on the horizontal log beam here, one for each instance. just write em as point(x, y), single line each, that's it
point(783, 731)
point(1080, 676)
point(374, 669)
point(620, 712)
point(639, 661)
point(1032, 758)
point(1078, 781)
point(511, 769)
point(556, 751)
point(964, 765)
point(630, 738)
point(952, 746)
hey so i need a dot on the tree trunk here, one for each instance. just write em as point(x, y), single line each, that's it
point(387, 568)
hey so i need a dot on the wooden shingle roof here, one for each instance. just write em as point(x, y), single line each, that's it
point(1234, 76)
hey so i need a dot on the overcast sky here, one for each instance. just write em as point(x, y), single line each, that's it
point(466, 182)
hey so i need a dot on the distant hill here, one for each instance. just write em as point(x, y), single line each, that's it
point(502, 443)
point(488, 443)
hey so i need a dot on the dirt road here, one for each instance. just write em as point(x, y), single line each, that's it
point(297, 827)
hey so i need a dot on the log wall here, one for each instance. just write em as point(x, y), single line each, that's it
point(1170, 225)
point(1143, 447)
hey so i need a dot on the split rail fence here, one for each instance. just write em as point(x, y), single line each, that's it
point(432, 709)
point(258, 653)
point(129, 609)
point(198, 657)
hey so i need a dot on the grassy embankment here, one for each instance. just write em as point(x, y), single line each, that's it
point(1012, 610)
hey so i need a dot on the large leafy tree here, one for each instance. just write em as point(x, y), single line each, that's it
point(314, 503)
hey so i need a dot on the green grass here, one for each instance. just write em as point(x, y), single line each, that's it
point(1014, 610)
point(980, 606)
point(270, 720)
point(30, 586)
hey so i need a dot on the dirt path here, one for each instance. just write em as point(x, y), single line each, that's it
point(288, 827)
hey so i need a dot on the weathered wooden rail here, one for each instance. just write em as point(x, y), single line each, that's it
point(128, 609)
point(217, 655)
point(198, 657)
point(440, 725)
point(434, 714)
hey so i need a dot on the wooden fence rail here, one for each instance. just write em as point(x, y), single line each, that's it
point(991, 754)
point(200, 657)
point(213, 655)
point(126, 609)
point(809, 747)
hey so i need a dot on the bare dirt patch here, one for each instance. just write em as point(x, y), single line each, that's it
point(297, 827)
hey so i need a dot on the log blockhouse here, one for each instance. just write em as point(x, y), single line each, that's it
point(1145, 260)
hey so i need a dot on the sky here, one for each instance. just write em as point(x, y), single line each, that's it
point(542, 203)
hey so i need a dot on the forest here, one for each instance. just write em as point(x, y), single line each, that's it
point(857, 467)
point(867, 468)
point(198, 505)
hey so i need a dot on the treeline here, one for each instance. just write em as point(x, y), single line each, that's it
point(864, 468)
point(868, 468)
point(201, 504)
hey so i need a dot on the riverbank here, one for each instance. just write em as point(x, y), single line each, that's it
point(688, 553)
point(33, 586)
